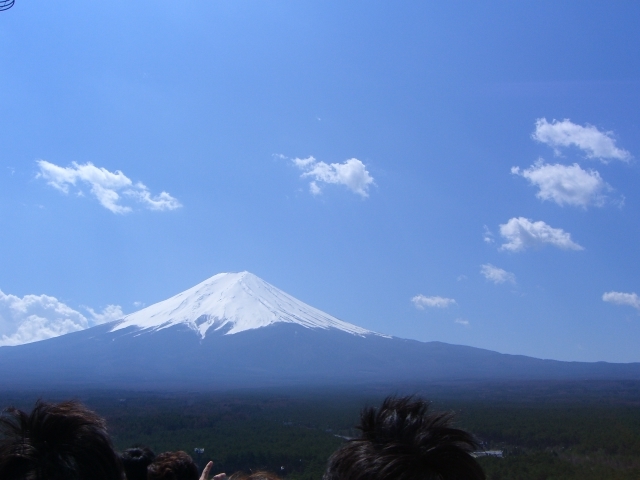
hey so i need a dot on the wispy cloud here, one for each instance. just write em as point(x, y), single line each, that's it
point(620, 298)
point(496, 275)
point(487, 235)
point(566, 184)
point(595, 143)
point(109, 188)
point(462, 321)
point(108, 314)
point(421, 301)
point(38, 317)
point(351, 173)
point(521, 233)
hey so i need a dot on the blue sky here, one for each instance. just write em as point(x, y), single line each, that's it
point(456, 171)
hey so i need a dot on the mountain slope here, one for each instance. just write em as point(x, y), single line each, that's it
point(233, 302)
point(235, 330)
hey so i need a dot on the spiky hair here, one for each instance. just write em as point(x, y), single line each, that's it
point(135, 461)
point(403, 440)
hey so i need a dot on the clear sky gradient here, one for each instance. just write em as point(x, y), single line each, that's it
point(457, 171)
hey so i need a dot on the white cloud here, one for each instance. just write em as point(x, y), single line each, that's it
point(314, 188)
point(303, 163)
point(107, 187)
point(108, 314)
point(566, 185)
point(462, 321)
point(420, 301)
point(496, 275)
point(619, 298)
point(522, 233)
point(162, 201)
point(352, 174)
point(593, 142)
point(38, 317)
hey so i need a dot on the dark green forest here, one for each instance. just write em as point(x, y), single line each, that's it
point(546, 431)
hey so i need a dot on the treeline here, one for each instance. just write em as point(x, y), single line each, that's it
point(558, 441)
point(610, 429)
point(289, 437)
point(234, 444)
point(293, 434)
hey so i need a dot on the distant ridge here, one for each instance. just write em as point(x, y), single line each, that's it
point(235, 330)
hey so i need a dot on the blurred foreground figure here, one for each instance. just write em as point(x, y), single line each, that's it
point(173, 466)
point(261, 475)
point(402, 440)
point(61, 441)
point(135, 462)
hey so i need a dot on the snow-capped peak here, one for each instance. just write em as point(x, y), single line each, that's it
point(236, 302)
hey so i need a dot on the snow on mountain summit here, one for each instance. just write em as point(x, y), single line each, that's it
point(234, 301)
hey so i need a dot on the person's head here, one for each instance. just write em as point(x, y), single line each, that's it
point(135, 462)
point(173, 466)
point(55, 442)
point(403, 440)
point(261, 475)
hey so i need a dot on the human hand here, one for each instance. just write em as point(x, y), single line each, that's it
point(207, 469)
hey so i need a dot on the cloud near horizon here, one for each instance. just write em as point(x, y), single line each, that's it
point(595, 143)
point(421, 301)
point(566, 184)
point(351, 173)
point(620, 298)
point(521, 233)
point(39, 317)
point(496, 275)
point(109, 188)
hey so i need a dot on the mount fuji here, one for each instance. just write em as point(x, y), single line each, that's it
point(233, 303)
point(236, 330)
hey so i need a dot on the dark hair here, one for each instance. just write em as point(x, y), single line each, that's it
point(260, 475)
point(135, 462)
point(402, 440)
point(173, 466)
point(55, 442)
